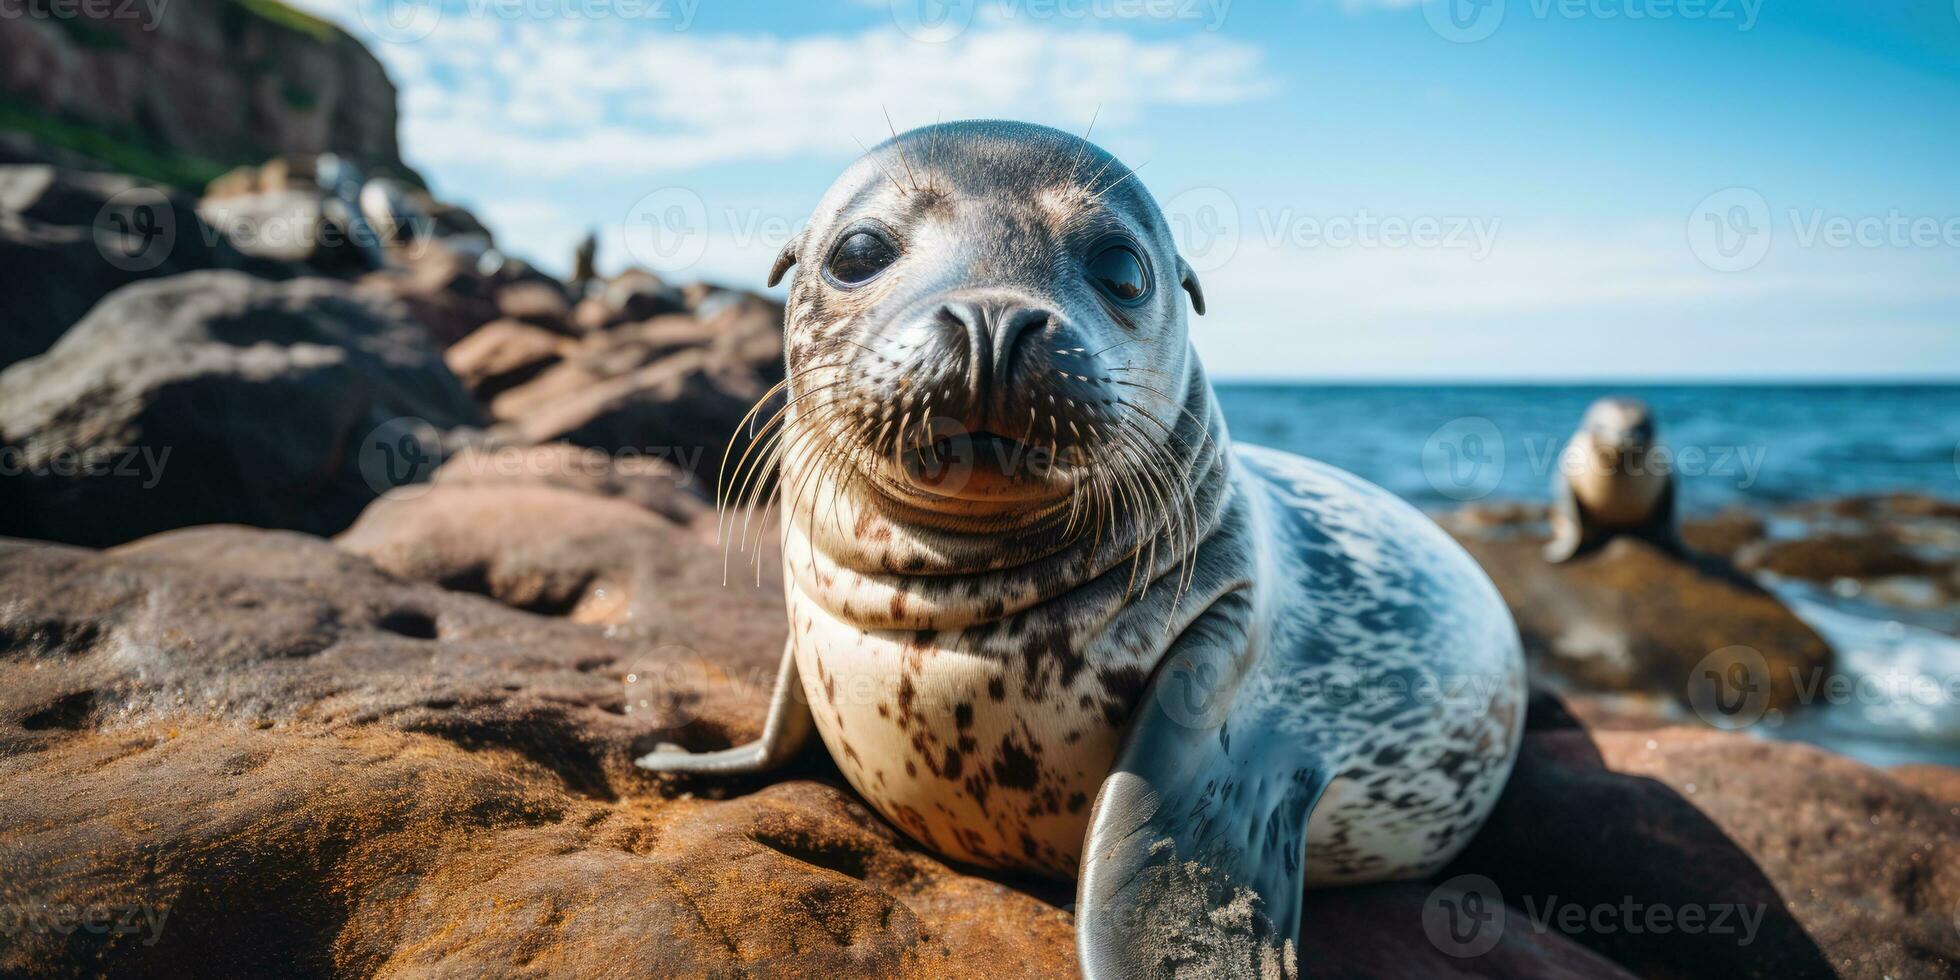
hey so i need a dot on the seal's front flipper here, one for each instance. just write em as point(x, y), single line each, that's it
point(1568, 524)
point(784, 734)
point(1195, 856)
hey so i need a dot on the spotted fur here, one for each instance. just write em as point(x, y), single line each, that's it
point(1006, 671)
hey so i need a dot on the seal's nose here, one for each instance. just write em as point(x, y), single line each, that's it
point(993, 330)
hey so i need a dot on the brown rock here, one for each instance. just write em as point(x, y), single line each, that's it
point(1633, 617)
point(1380, 931)
point(534, 302)
point(1724, 533)
point(441, 288)
point(681, 406)
point(1823, 558)
point(652, 483)
point(217, 397)
point(298, 763)
point(205, 84)
point(503, 354)
point(553, 551)
point(1851, 873)
point(1940, 783)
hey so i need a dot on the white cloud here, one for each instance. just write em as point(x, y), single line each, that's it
point(551, 98)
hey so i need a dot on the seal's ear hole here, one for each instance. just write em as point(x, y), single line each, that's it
point(1189, 280)
point(784, 259)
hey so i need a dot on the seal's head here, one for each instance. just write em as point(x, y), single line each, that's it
point(1618, 428)
point(983, 312)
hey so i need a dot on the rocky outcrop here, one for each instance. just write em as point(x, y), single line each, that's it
point(216, 397)
point(512, 526)
point(234, 729)
point(260, 752)
point(1692, 853)
point(501, 355)
point(1632, 617)
point(677, 382)
point(69, 238)
point(218, 82)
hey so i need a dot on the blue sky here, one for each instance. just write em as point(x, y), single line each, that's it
point(1500, 189)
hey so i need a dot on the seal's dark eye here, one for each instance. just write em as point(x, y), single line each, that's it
point(860, 257)
point(1118, 271)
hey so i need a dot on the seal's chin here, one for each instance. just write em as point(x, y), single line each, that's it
point(985, 466)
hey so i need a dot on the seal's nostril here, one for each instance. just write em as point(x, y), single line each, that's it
point(1010, 328)
point(956, 319)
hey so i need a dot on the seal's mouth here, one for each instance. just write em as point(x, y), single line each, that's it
point(981, 464)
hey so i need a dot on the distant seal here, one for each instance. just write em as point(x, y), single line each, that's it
point(1610, 480)
point(1046, 617)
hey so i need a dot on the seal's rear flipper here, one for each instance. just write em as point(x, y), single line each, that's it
point(1196, 848)
point(784, 734)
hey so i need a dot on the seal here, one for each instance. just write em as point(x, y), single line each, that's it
point(1610, 481)
point(1047, 618)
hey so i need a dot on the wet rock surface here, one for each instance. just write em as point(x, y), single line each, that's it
point(1634, 617)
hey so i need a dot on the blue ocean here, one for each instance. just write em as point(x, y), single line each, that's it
point(1751, 445)
point(1754, 446)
